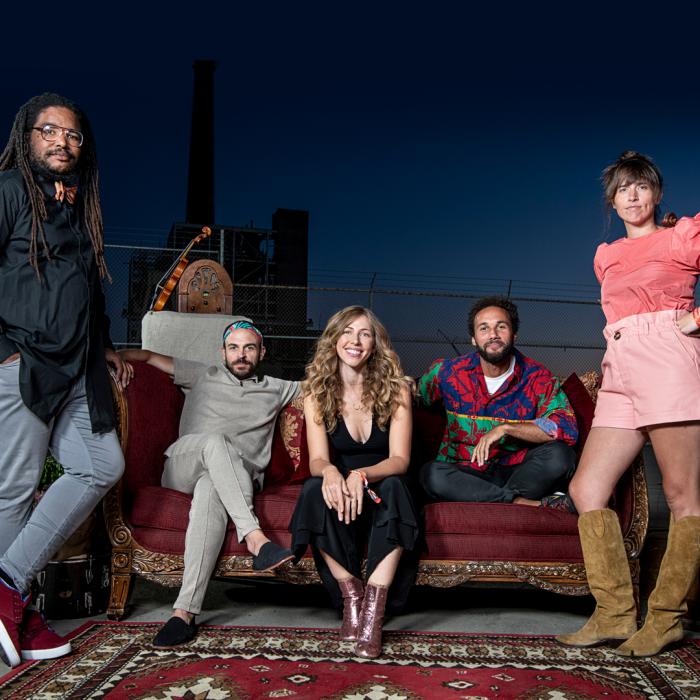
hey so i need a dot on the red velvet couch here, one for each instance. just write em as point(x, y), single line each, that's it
point(463, 541)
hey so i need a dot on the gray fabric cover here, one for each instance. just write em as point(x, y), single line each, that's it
point(195, 337)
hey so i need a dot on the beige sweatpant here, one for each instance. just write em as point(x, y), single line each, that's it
point(212, 469)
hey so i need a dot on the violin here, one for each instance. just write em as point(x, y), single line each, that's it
point(175, 272)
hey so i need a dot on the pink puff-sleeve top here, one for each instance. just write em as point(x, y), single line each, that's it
point(656, 272)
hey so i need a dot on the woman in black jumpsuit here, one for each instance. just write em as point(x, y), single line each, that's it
point(358, 420)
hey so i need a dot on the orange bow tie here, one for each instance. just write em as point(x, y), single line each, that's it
point(63, 192)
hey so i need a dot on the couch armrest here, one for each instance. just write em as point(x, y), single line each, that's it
point(631, 503)
point(118, 532)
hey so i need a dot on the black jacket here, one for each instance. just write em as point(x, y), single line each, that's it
point(56, 321)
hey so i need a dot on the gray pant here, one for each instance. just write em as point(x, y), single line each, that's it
point(92, 464)
point(221, 483)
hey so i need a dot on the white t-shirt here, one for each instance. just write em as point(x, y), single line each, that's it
point(493, 384)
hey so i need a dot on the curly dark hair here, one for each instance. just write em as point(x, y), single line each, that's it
point(17, 155)
point(502, 302)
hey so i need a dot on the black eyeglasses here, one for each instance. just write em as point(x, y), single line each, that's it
point(51, 132)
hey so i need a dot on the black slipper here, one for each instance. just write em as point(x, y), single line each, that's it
point(270, 556)
point(175, 631)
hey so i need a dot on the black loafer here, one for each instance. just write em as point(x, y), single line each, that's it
point(175, 631)
point(270, 556)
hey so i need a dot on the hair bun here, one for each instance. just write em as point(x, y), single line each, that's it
point(669, 220)
point(629, 155)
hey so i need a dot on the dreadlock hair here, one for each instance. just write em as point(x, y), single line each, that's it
point(17, 155)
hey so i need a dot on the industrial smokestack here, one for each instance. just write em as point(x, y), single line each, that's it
point(200, 175)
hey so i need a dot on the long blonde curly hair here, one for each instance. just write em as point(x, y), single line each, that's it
point(383, 380)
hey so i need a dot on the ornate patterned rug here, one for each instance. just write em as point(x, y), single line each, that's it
point(223, 663)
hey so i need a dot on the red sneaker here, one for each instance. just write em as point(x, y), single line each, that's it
point(12, 606)
point(38, 641)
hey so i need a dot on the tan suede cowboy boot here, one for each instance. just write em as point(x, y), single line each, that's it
point(608, 573)
point(667, 601)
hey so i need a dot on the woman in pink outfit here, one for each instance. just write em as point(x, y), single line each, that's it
point(650, 389)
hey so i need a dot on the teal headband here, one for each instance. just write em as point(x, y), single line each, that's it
point(245, 325)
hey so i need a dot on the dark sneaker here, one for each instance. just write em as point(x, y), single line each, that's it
point(38, 641)
point(12, 606)
point(559, 501)
point(175, 631)
point(271, 556)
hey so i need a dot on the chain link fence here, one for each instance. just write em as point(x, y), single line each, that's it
point(562, 333)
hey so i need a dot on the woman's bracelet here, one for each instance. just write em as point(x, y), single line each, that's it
point(365, 484)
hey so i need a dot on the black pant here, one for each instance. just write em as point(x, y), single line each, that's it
point(381, 528)
point(547, 467)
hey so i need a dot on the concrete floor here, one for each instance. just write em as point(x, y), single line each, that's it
point(463, 609)
point(497, 610)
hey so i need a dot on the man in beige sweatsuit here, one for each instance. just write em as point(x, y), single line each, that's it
point(225, 442)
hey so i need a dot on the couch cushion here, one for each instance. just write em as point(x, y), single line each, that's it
point(154, 405)
point(274, 507)
point(301, 470)
point(483, 531)
point(531, 548)
point(280, 470)
point(169, 510)
point(289, 462)
point(158, 507)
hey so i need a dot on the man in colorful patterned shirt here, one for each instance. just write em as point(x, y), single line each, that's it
point(509, 427)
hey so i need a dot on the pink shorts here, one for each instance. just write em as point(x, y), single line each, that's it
point(651, 373)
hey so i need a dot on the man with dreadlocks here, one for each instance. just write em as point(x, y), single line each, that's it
point(54, 356)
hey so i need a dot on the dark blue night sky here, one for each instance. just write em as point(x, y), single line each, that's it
point(429, 138)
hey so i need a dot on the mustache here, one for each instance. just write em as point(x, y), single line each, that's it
point(60, 151)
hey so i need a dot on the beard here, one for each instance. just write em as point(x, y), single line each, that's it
point(495, 356)
point(41, 167)
point(245, 369)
